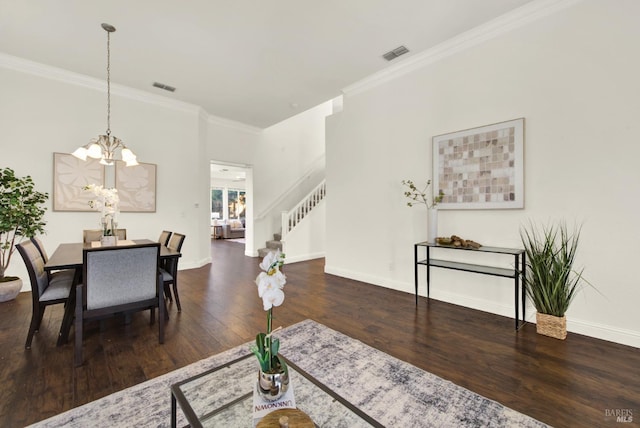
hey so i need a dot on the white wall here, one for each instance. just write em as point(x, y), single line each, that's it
point(573, 76)
point(41, 115)
point(307, 240)
point(286, 152)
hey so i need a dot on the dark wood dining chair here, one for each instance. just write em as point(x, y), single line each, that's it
point(91, 235)
point(46, 289)
point(118, 280)
point(45, 257)
point(170, 269)
point(164, 237)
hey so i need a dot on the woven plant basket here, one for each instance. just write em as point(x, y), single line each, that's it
point(550, 325)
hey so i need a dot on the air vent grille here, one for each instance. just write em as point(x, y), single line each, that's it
point(395, 53)
point(163, 86)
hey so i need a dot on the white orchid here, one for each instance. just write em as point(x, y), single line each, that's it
point(270, 284)
point(273, 260)
point(107, 201)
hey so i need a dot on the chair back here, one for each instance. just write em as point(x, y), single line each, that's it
point(116, 276)
point(35, 266)
point(40, 246)
point(175, 242)
point(164, 237)
point(91, 235)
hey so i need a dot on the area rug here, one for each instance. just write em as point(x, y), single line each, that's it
point(395, 393)
point(238, 240)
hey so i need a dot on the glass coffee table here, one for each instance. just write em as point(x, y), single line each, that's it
point(223, 397)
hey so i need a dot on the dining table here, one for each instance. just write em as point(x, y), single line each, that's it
point(69, 256)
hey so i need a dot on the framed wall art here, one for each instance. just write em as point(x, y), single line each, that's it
point(136, 187)
point(70, 175)
point(481, 168)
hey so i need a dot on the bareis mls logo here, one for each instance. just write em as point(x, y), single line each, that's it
point(620, 415)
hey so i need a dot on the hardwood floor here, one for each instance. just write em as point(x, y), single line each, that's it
point(571, 383)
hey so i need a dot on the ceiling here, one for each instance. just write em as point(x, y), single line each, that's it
point(227, 173)
point(257, 62)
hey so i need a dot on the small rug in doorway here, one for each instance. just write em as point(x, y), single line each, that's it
point(238, 240)
point(391, 391)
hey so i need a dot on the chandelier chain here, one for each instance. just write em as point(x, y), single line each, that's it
point(108, 83)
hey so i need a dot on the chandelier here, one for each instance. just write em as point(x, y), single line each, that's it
point(105, 146)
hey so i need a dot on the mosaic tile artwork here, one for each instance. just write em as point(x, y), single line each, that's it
point(480, 168)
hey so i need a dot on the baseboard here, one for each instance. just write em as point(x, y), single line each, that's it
point(193, 264)
point(587, 328)
point(304, 257)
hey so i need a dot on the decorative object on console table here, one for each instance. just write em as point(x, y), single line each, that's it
point(458, 242)
point(273, 378)
point(20, 217)
point(432, 231)
point(420, 196)
point(551, 281)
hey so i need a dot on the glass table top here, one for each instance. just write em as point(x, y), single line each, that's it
point(223, 397)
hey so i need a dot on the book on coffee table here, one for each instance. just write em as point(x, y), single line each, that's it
point(262, 407)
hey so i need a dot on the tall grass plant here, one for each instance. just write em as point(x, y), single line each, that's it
point(551, 282)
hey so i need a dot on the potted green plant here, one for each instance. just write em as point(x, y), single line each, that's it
point(21, 213)
point(551, 282)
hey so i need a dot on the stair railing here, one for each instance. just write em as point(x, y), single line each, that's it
point(292, 217)
point(317, 165)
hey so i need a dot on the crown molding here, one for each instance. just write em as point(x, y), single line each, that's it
point(228, 123)
point(503, 24)
point(54, 73)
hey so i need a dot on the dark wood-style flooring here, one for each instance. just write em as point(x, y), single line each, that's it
point(571, 383)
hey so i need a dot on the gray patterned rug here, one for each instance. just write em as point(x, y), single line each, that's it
point(391, 391)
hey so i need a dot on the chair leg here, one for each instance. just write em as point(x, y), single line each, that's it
point(40, 316)
point(175, 293)
point(32, 329)
point(78, 327)
point(167, 292)
point(162, 312)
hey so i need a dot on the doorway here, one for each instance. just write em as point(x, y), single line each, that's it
point(231, 190)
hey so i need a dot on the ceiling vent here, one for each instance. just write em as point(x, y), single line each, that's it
point(163, 86)
point(393, 54)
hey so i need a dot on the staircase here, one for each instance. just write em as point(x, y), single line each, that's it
point(294, 216)
point(273, 245)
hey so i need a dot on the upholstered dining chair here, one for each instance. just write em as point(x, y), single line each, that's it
point(45, 257)
point(91, 235)
point(164, 237)
point(170, 269)
point(118, 280)
point(46, 289)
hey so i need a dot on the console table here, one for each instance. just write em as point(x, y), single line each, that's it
point(518, 258)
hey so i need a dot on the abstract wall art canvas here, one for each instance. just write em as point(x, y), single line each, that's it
point(136, 187)
point(70, 175)
point(481, 168)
